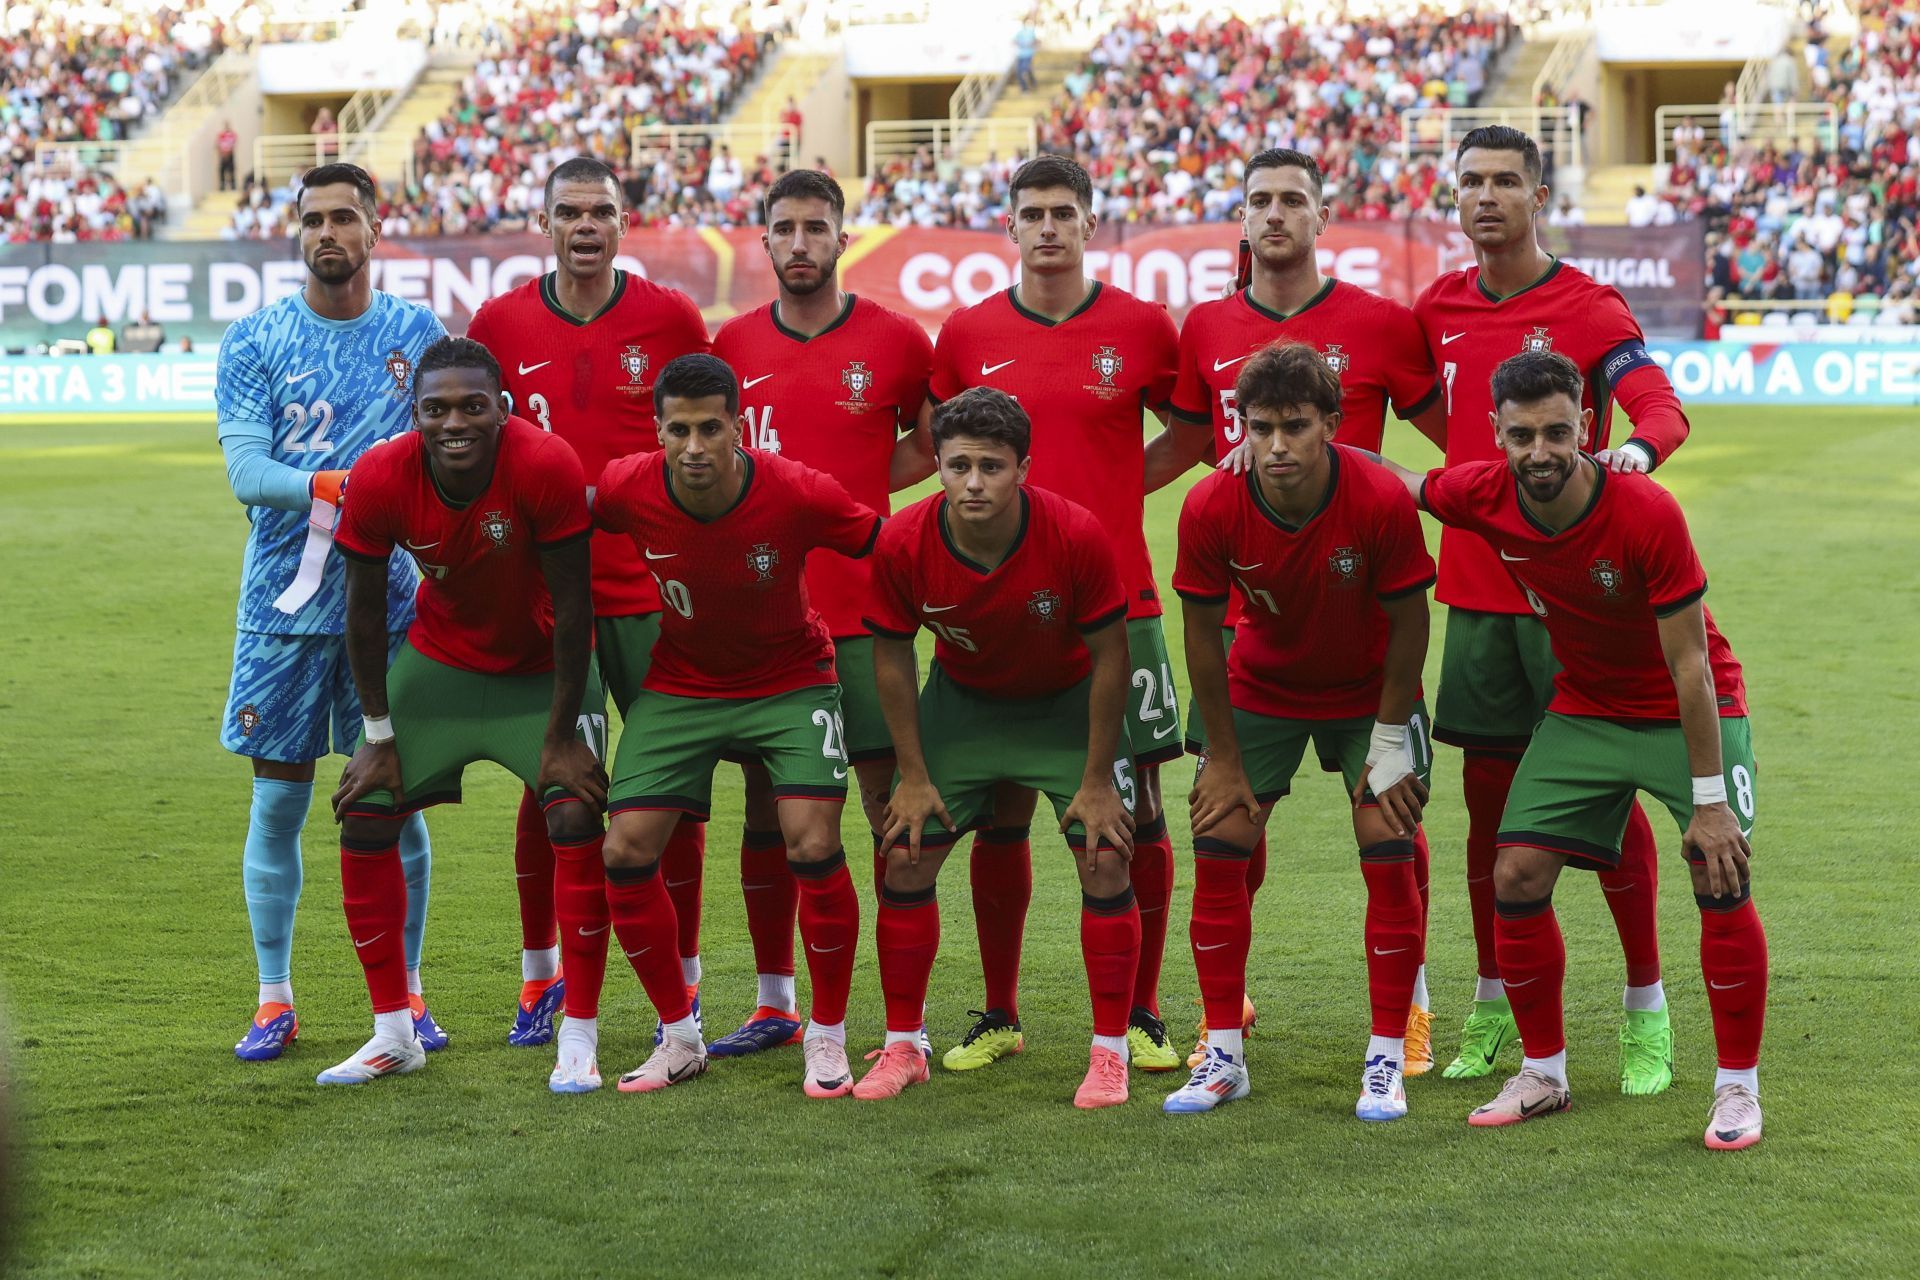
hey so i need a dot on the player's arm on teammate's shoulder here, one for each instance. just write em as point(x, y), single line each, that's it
point(912, 459)
point(375, 765)
point(1713, 831)
point(914, 798)
point(1097, 806)
point(1636, 382)
point(1390, 768)
point(566, 761)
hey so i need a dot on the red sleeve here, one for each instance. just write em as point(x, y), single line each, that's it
point(696, 324)
point(616, 496)
point(916, 362)
point(1191, 395)
point(945, 381)
point(1199, 569)
point(1447, 495)
point(1098, 600)
point(1628, 375)
point(556, 496)
point(1165, 346)
point(366, 531)
point(1669, 565)
point(1401, 564)
point(1412, 385)
point(480, 327)
point(890, 604)
point(835, 521)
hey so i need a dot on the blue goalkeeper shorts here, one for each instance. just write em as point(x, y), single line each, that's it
point(292, 698)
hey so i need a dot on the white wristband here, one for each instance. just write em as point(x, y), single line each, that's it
point(1711, 789)
point(379, 730)
point(1388, 757)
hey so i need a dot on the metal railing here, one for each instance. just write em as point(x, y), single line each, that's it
point(1747, 123)
point(947, 140)
point(280, 157)
point(1562, 65)
point(747, 141)
point(1438, 130)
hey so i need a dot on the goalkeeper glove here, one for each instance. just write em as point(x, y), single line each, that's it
point(330, 486)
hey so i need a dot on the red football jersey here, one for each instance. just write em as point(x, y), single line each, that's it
point(737, 623)
point(1312, 639)
point(483, 603)
point(1015, 630)
point(1600, 586)
point(837, 402)
point(1084, 382)
point(591, 383)
point(1373, 343)
point(1470, 332)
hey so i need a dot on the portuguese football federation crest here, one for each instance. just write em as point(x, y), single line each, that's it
point(249, 718)
point(762, 560)
point(1605, 577)
point(1345, 562)
point(400, 368)
point(1044, 605)
point(1537, 341)
point(857, 379)
point(1336, 359)
point(634, 361)
point(497, 527)
point(1107, 363)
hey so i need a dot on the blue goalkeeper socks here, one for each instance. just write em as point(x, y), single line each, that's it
point(270, 870)
point(416, 863)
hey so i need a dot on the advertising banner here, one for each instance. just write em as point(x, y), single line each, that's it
point(1790, 373)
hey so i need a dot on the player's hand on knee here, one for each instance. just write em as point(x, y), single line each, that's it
point(1715, 834)
point(330, 486)
point(1218, 790)
point(374, 767)
point(572, 767)
point(1103, 815)
point(912, 803)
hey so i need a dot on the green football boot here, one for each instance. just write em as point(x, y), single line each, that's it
point(1489, 1029)
point(1646, 1053)
point(990, 1039)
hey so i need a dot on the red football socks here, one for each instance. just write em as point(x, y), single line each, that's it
point(1533, 965)
point(1257, 866)
point(907, 931)
point(643, 921)
point(1152, 876)
point(772, 896)
point(1001, 872)
point(1423, 878)
point(683, 863)
point(533, 874)
point(1632, 894)
point(1733, 958)
point(1392, 934)
point(1485, 779)
point(580, 896)
point(1110, 945)
point(373, 888)
point(829, 929)
point(1221, 929)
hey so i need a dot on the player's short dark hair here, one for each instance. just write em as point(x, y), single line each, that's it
point(1533, 376)
point(583, 169)
point(695, 377)
point(1501, 137)
point(1283, 158)
point(1288, 374)
point(456, 353)
point(984, 413)
point(1050, 171)
point(806, 184)
point(351, 175)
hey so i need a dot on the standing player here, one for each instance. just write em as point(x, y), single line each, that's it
point(743, 666)
point(1028, 686)
point(1497, 667)
point(496, 666)
point(1328, 556)
point(1648, 695)
point(1372, 343)
point(832, 381)
point(580, 348)
point(1084, 360)
point(304, 388)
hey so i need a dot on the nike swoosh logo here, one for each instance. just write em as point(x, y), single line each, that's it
point(1218, 365)
point(635, 955)
point(987, 369)
point(588, 933)
point(1445, 338)
point(665, 555)
point(675, 884)
point(1528, 1108)
point(822, 951)
point(525, 875)
point(370, 941)
point(945, 608)
point(751, 383)
point(1724, 986)
point(418, 546)
point(1214, 947)
point(1396, 951)
point(1511, 984)
point(1244, 568)
point(1615, 888)
point(1514, 559)
point(751, 887)
point(526, 369)
point(840, 775)
point(1161, 733)
point(300, 377)
point(675, 1077)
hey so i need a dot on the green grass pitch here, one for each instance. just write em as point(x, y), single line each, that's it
point(141, 1147)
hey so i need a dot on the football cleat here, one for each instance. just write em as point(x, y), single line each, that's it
point(768, 1028)
point(1248, 1020)
point(1148, 1043)
point(273, 1028)
point(900, 1065)
point(380, 1056)
point(990, 1039)
point(828, 1075)
point(1734, 1121)
point(1646, 1052)
point(673, 1061)
point(699, 1023)
point(540, 1000)
point(1217, 1079)
point(1383, 1094)
point(1106, 1082)
point(926, 1045)
point(575, 1074)
point(1489, 1029)
point(429, 1032)
point(1527, 1096)
point(1419, 1042)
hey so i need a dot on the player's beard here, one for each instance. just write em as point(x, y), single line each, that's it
point(807, 286)
point(335, 269)
point(1544, 489)
point(1292, 255)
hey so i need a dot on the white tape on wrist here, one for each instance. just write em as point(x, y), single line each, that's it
point(379, 729)
point(313, 558)
point(1711, 789)
point(1388, 757)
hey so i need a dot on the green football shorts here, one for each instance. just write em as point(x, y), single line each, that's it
point(670, 745)
point(445, 719)
point(1153, 704)
point(972, 743)
point(1496, 679)
point(867, 736)
point(1576, 783)
point(624, 646)
point(1196, 728)
point(1271, 748)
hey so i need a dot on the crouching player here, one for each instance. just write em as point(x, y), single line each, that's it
point(1327, 553)
point(1020, 589)
point(497, 665)
point(743, 668)
point(1649, 698)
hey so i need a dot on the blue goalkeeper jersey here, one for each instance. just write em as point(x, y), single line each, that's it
point(321, 392)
